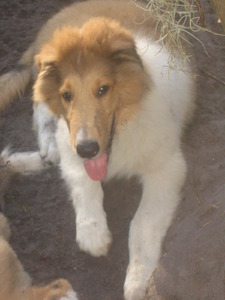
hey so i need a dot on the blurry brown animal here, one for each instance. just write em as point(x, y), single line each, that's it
point(15, 283)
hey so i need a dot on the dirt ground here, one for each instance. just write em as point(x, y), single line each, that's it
point(192, 266)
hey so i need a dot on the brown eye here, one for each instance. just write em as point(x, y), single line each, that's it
point(67, 96)
point(102, 90)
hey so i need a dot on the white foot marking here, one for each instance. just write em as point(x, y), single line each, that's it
point(93, 237)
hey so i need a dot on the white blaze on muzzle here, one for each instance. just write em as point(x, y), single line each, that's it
point(96, 167)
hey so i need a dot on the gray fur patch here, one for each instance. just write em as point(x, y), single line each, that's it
point(20, 67)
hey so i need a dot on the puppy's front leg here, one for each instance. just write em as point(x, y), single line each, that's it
point(161, 191)
point(45, 125)
point(92, 233)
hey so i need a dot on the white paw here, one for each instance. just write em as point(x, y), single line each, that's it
point(93, 237)
point(6, 165)
point(71, 295)
point(45, 125)
point(136, 282)
point(48, 148)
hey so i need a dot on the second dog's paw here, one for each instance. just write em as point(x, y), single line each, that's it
point(136, 282)
point(6, 172)
point(93, 237)
point(4, 157)
point(58, 290)
point(70, 296)
point(4, 227)
point(48, 149)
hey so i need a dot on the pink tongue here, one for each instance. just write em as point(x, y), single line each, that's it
point(96, 167)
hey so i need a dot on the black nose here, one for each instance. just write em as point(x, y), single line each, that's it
point(88, 149)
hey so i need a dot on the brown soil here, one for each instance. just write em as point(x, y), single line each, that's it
point(42, 218)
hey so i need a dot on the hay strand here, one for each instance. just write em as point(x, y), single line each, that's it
point(177, 21)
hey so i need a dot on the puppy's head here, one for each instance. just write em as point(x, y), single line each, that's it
point(93, 78)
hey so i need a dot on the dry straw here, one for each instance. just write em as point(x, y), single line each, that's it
point(177, 22)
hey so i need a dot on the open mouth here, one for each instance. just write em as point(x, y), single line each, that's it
point(96, 168)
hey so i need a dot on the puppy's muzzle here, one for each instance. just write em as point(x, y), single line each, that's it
point(88, 149)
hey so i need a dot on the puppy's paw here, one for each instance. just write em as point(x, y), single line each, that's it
point(136, 282)
point(93, 237)
point(59, 290)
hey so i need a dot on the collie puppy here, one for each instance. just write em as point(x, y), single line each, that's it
point(15, 283)
point(106, 104)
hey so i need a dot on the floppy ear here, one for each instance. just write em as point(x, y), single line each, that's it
point(110, 39)
point(123, 47)
point(46, 58)
point(47, 83)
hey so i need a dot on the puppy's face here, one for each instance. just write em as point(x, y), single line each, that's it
point(94, 79)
